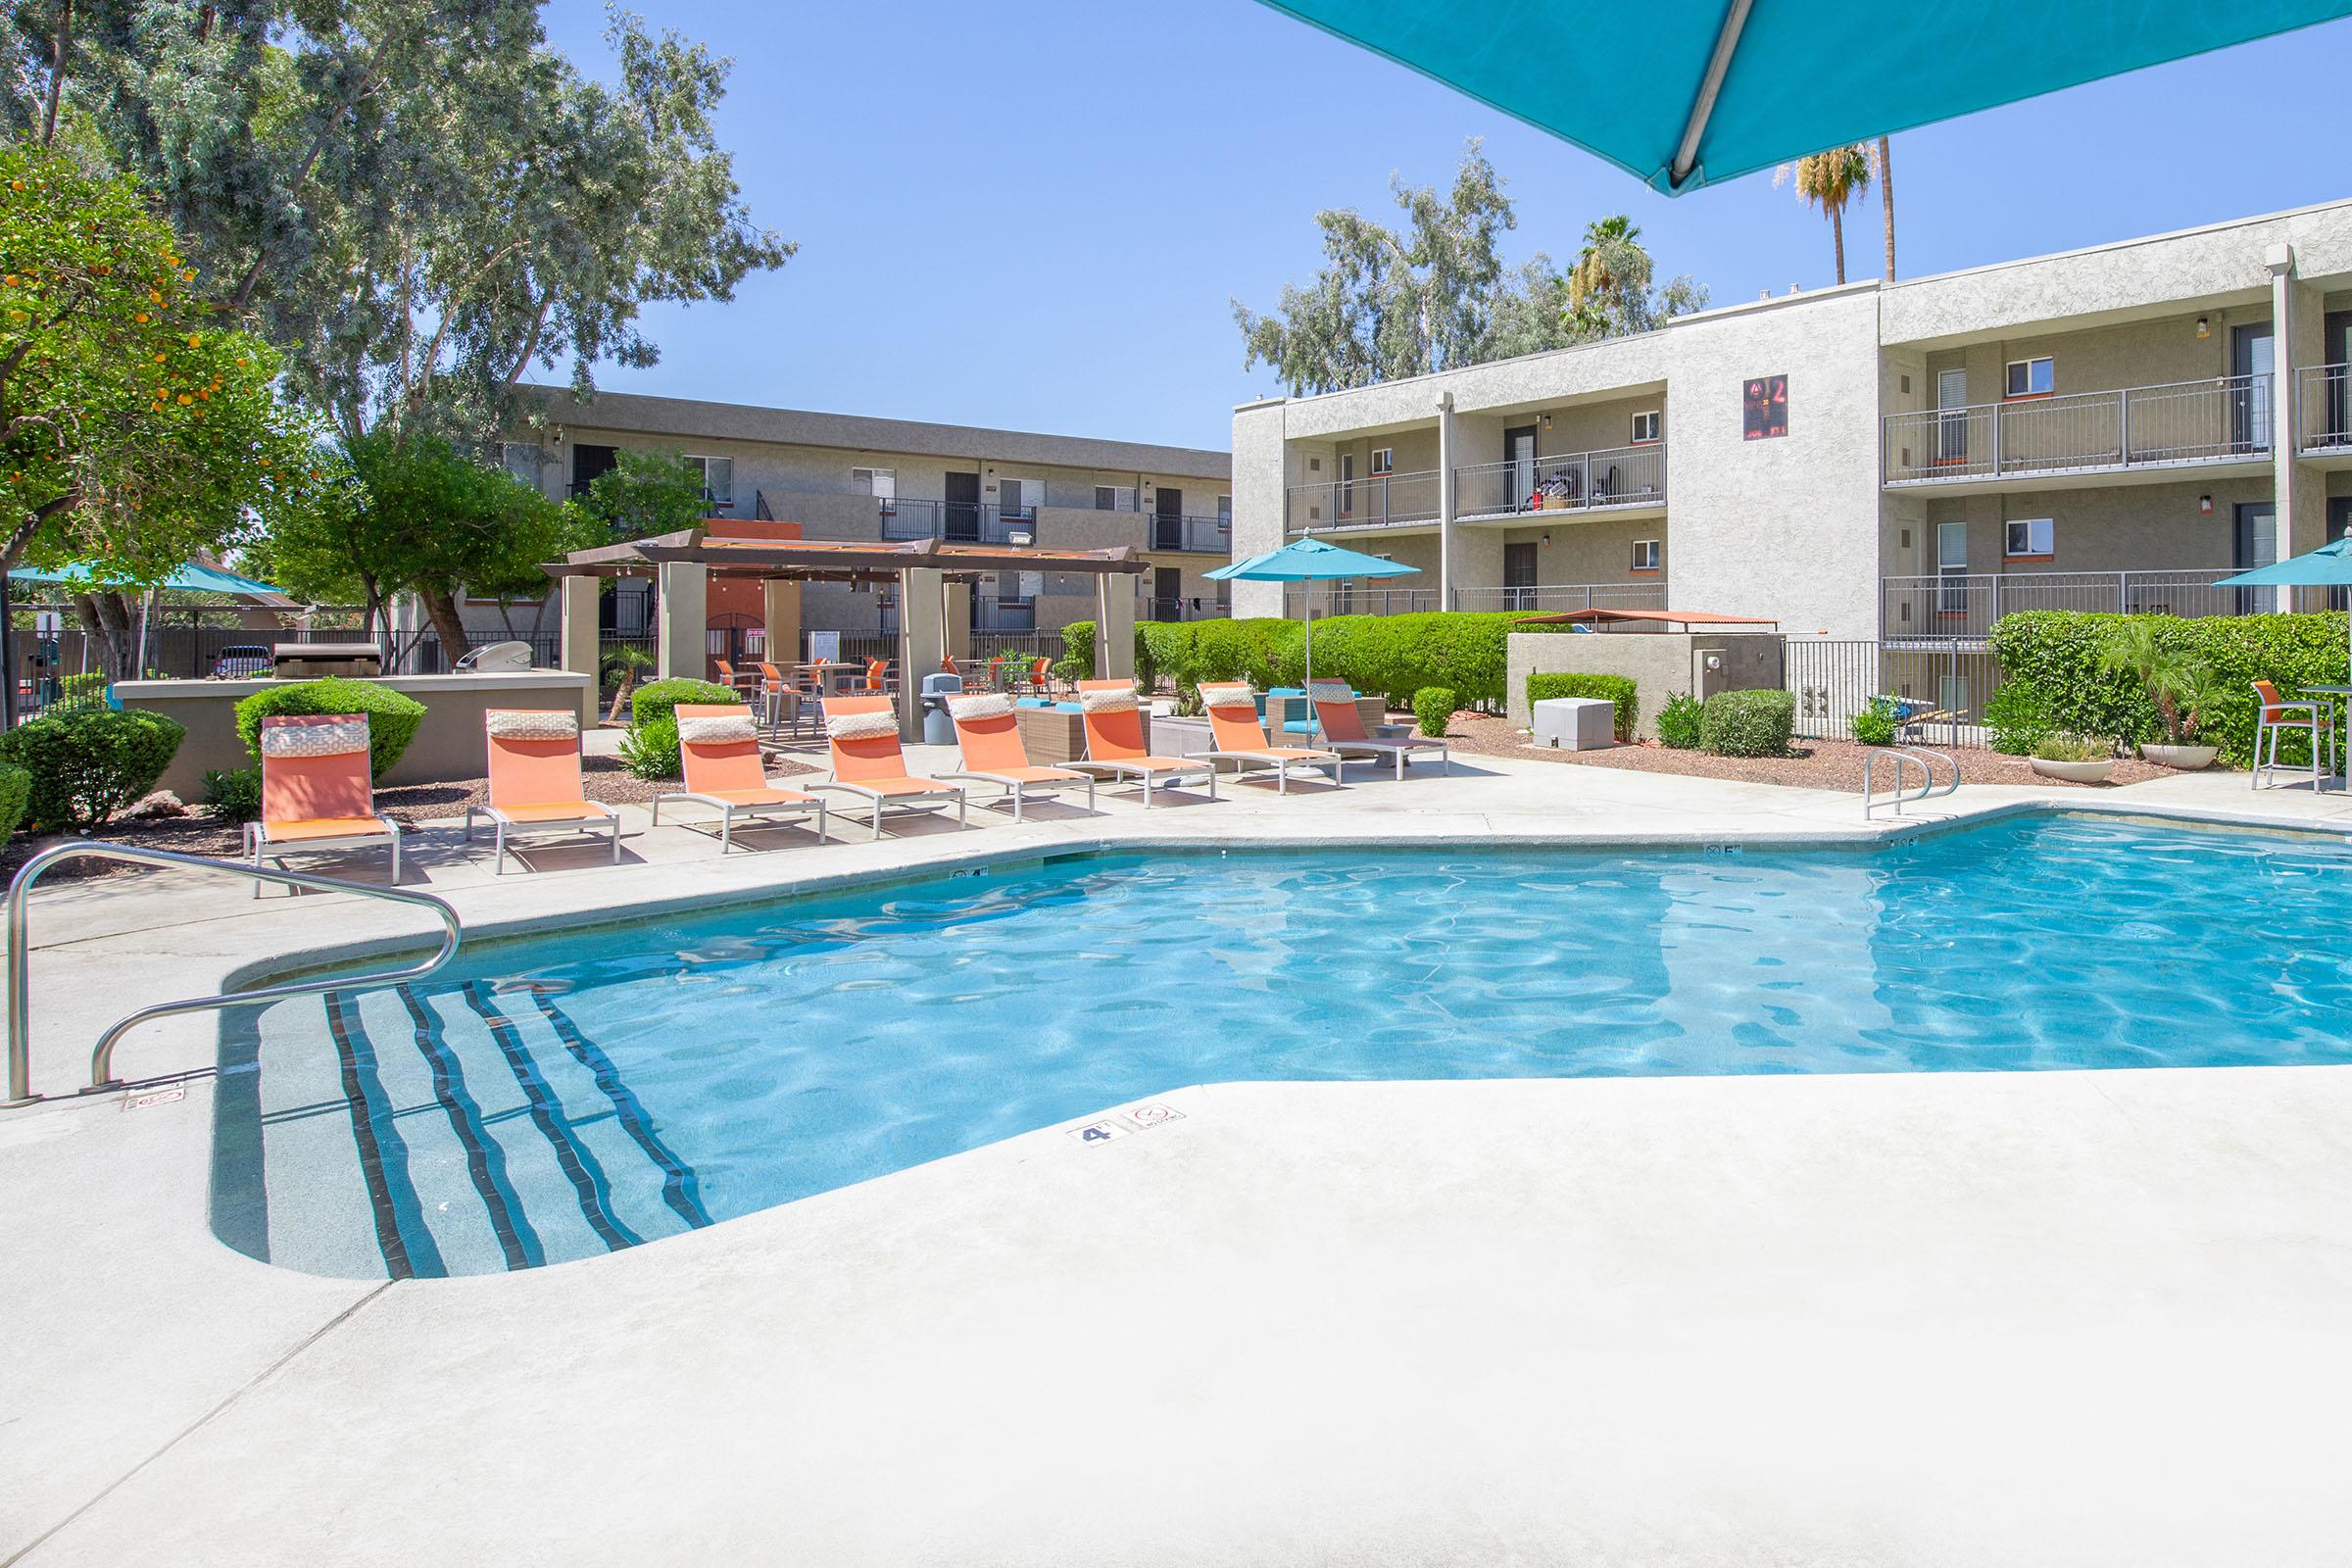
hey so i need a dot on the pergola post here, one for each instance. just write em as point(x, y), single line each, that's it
point(581, 612)
point(780, 616)
point(1114, 626)
point(683, 616)
point(959, 620)
point(922, 641)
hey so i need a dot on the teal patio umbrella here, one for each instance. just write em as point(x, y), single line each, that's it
point(2329, 567)
point(1309, 560)
point(1684, 93)
point(84, 577)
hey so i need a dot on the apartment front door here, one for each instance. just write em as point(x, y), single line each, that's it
point(1951, 430)
point(2257, 545)
point(1519, 573)
point(2339, 523)
point(2251, 363)
point(590, 463)
point(1519, 480)
point(1167, 520)
point(1167, 593)
point(959, 515)
point(1951, 569)
point(2336, 427)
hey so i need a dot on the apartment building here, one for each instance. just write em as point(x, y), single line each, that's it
point(2110, 428)
point(850, 477)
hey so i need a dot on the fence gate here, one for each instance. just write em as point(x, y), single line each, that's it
point(1947, 682)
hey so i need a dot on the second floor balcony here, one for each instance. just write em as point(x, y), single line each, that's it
point(1964, 605)
point(1617, 478)
point(2221, 421)
point(1383, 501)
point(957, 523)
point(2325, 399)
point(1197, 606)
point(1167, 533)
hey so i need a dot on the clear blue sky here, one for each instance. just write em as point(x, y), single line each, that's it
point(1032, 216)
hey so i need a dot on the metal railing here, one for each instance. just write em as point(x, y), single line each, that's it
point(1350, 599)
point(2213, 420)
point(1194, 607)
point(956, 522)
point(1553, 598)
point(1566, 481)
point(1967, 604)
point(1941, 687)
point(1206, 536)
point(1903, 757)
point(1384, 499)
point(102, 1057)
point(1003, 615)
point(2324, 401)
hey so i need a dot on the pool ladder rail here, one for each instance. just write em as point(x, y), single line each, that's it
point(1902, 756)
point(102, 1058)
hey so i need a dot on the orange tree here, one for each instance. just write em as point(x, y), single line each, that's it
point(138, 425)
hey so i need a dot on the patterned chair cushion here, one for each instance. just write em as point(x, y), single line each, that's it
point(337, 737)
point(533, 724)
point(1119, 701)
point(868, 727)
point(717, 730)
point(1228, 696)
point(979, 705)
point(1330, 691)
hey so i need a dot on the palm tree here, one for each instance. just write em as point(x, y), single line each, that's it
point(1885, 169)
point(1829, 180)
point(1611, 246)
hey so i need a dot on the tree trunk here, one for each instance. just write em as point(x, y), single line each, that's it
point(442, 606)
point(1886, 198)
point(57, 70)
point(109, 620)
point(1837, 239)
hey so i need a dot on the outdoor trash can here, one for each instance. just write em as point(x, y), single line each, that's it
point(1576, 723)
point(939, 725)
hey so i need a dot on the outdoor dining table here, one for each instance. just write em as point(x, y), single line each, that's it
point(832, 677)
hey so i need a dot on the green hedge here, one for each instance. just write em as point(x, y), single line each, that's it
point(649, 750)
point(1394, 656)
point(87, 764)
point(1077, 661)
point(392, 717)
point(1433, 709)
point(654, 701)
point(1750, 723)
point(1618, 690)
point(16, 789)
point(2051, 679)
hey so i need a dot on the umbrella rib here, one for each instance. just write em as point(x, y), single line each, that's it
point(1719, 64)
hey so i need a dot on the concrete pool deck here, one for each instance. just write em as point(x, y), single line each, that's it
point(1959, 1318)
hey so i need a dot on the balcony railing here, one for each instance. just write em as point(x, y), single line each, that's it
point(957, 523)
point(1572, 481)
point(2325, 398)
point(1967, 604)
point(1194, 607)
point(1553, 598)
point(1207, 536)
point(1384, 499)
point(2082, 432)
point(1352, 599)
point(1003, 615)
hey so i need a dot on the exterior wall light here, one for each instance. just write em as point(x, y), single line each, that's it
point(2204, 327)
point(2205, 505)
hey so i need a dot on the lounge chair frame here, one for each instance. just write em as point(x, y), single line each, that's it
point(603, 818)
point(259, 848)
point(728, 811)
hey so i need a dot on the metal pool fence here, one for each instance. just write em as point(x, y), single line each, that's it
point(1832, 679)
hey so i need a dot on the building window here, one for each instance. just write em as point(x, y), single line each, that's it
point(521, 460)
point(719, 479)
point(2032, 539)
point(1645, 428)
point(1384, 459)
point(881, 483)
point(2033, 378)
point(1114, 498)
point(1225, 514)
point(1646, 554)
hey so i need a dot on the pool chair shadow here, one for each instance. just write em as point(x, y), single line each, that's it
point(762, 836)
point(1040, 808)
point(570, 855)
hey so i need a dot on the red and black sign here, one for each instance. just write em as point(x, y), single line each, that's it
point(1765, 407)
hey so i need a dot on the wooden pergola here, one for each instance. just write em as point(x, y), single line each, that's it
point(923, 572)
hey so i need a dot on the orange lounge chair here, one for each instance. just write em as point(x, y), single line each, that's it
point(989, 735)
point(862, 733)
point(316, 793)
point(1114, 740)
point(718, 746)
point(1237, 737)
point(1343, 730)
point(535, 780)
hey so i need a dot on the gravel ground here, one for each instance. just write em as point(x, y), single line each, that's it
point(1822, 764)
point(197, 833)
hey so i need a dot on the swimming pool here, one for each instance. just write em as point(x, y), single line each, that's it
point(560, 1097)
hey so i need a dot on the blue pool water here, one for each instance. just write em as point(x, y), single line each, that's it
point(558, 1097)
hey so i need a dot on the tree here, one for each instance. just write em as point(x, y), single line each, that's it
point(644, 494)
point(1882, 165)
point(1609, 290)
point(137, 428)
point(1830, 181)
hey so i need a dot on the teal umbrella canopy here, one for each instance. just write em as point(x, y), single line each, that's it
point(191, 579)
point(2329, 567)
point(1309, 560)
point(1684, 93)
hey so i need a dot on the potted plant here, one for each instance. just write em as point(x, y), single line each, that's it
point(2076, 759)
point(2181, 689)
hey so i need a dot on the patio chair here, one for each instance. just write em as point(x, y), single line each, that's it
point(2276, 715)
point(779, 696)
point(1237, 737)
point(1345, 733)
point(1114, 726)
point(877, 677)
point(718, 750)
point(1041, 675)
point(535, 784)
point(316, 791)
point(988, 735)
point(862, 733)
point(729, 675)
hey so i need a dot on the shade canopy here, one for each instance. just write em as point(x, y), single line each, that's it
point(2329, 567)
point(1684, 93)
point(1309, 560)
point(84, 577)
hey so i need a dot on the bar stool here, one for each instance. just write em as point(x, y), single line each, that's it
point(2276, 713)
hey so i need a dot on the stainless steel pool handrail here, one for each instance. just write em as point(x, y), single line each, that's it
point(1904, 756)
point(102, 1058)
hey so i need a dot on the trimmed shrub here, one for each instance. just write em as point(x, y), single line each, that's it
point(1077, 661)
point(2064, 746)
point(1751, 723)
point(653, 702)
point(16, 788)
point(651, 750)
point(1875, 725)
point(89, 763)
point(1433, 708)
point(2018, 717)
point(1618, 690)
point(2052, 659)
point(1678, 722)
point(392, 717)
point(235, 794)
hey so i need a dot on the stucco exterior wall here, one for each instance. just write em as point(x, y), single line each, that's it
point(1658, 664)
